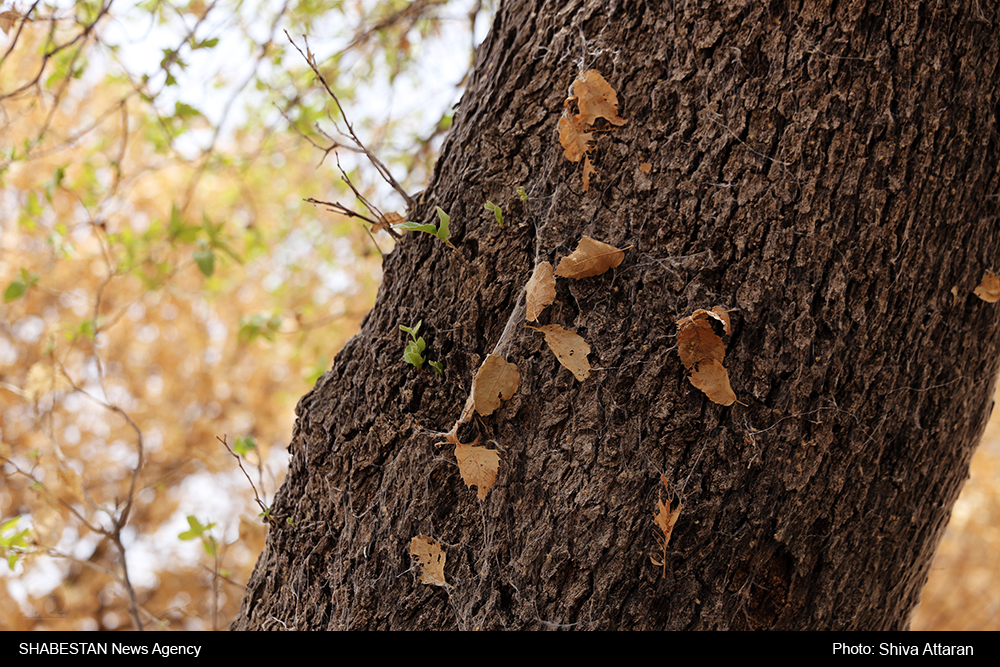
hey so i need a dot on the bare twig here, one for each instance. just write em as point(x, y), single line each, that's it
point(334, 145)
point(379, 166)
point(264, 508)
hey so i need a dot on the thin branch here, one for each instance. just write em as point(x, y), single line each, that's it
point(89, 28)
point(334, 145)
point(379, 166)
point(264, 508)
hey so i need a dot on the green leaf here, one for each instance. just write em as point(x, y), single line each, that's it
point(205, 259)
point(178, 231)
point(210, 545)
point(56, 182)
point(258, 325)
point(442, 232)
point(20, 539)
point(416, 227)
point(86, 329)
point(9, 523)
point(522, 194)
point(185, 111)
point(414, 331)
point(14, 291)
point(245, 444)
point(196, 529)
point(497, 213)
point(412, 355)
point(437, 366)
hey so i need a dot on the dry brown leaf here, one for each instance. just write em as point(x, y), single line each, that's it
point(9, 18)
point(591, 258)
point(989, 288)
point(721, 314)
point(596, 98)
point(431, 557)
point(665, 521)
point(496, 379)
point(387, 221)
point(712, 378)
point(541, 289)
point(574, 140)
point(701, 351)
point(478, 466)
point(570, 349)
point(696, 340)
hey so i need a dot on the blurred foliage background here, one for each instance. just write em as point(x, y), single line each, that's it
point(168, 294)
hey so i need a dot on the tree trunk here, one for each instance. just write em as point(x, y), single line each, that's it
point(829, 174)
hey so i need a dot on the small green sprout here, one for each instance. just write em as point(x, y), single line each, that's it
point(440, 231)
point(414, 352)
point(522, 194)
point(497, 213)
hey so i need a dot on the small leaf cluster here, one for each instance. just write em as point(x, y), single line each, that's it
point(13, 544)
point(197, 530)
point(414, 352)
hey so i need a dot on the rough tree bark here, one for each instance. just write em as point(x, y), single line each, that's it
point(828, 170)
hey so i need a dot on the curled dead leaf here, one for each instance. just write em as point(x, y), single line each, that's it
point(591, 258)
point(721, 314)
point(596, 98)
point(9, 18)
point(989, 288)
point(431, 559)
point(570, 349)
point(496, 380)
point(701, 351)
point(665, 520)
point(478, 466)
point(541, 289)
